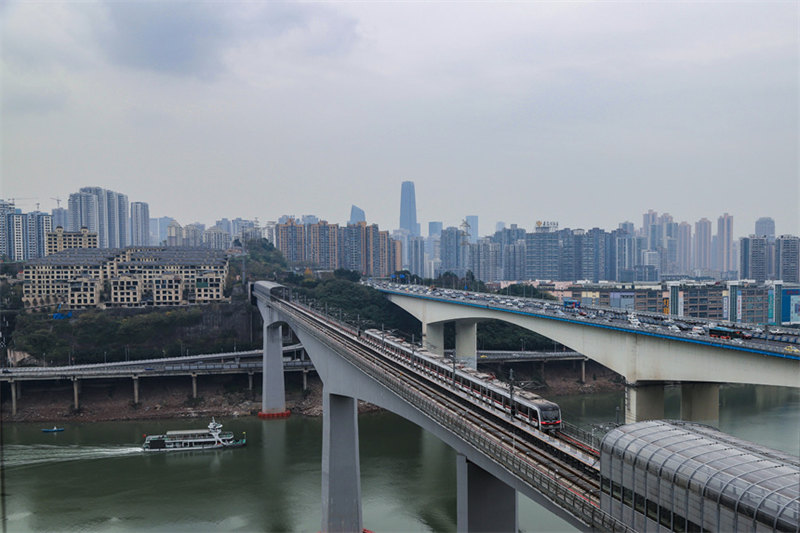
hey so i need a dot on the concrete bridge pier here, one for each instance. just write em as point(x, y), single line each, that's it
point(13, 397)
point(433, 337)
point(135, 389)
point(273, 390)
point(341, 470)
point(700, 402)
point(484, 503)
point(467, 342)
point(194, 386)
point(76, 387)
point(644, 401)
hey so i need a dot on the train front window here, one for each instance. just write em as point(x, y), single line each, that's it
point(551, 415)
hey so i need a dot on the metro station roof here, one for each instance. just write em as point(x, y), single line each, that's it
point(753, 479)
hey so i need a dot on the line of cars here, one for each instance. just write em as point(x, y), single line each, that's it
point(773, 338)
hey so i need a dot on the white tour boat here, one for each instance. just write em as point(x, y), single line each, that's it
point(193, 439)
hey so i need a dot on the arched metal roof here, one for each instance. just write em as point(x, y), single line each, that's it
point(752, 480)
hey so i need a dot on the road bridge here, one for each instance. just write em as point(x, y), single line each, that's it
point(647, 354)
point(246, 362)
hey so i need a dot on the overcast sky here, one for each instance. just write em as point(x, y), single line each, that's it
point(583, 113)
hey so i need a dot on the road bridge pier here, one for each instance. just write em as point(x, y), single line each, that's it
point(135, 389)
point(76, 387)
point(467, 342)
point(13, 397)
point(645, 401)
point(433, 337)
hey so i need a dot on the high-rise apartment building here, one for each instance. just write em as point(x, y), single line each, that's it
point(702, 244)
point(765, 227)
point(290, 239)
point(140, 224)
point(787, 258)
point(684, 246)
point(408, 208)
point(60, 217)
point(472, 222)
point(323, 245)
point(108, 215)
point(542, 248)
point(753, 258)
point(6, 208)
point(83, 212)
point(725, 243)
point(26, 235)
point(416, 255)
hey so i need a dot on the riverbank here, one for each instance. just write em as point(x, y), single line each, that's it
point(223, 396)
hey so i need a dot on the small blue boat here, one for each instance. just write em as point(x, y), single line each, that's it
point(53, 429)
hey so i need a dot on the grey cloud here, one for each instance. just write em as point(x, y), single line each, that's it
point(191, 38)
point(179, 38)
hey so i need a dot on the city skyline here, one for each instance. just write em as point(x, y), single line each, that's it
point(584, 114)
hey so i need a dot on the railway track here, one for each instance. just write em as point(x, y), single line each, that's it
point(531, 452)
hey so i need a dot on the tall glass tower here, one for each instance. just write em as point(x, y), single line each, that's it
point(408, 208)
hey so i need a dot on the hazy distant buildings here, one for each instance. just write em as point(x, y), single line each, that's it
point(725, 243)
point(60, 217)
point(103, 211)
point(753, 258)
point(140, 224)
point(702, 244)
point(408, 208)
point(356, 215)
point(765, 227)
point(472, 222)
point(787, 258)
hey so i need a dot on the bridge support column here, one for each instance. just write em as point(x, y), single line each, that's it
point(273, 397)
point(341, 470)
point(135, 389)
point(583, 371)
point(644, 401)
point(75, 389)
point(194, 386)
point(19, 390)
point(484, 503)
point(249, 381)
point(305, 379)
point(13, 397)
point(433, 337)
point(700, 402)
point(467, 342)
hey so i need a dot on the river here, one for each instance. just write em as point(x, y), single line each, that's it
point(93, 477)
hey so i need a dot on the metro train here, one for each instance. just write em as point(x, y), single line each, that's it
point(523, 405)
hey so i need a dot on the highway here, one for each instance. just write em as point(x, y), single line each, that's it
point(783, 342)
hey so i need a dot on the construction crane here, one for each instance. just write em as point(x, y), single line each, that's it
point(57, 199)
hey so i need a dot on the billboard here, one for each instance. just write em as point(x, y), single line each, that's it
point(790, 310)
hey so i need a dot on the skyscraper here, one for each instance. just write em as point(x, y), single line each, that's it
point(765, 227)
point(472, 220)
point(725, 243)
point(787, 258)
point(753, 258)
point(140, 224)
point(357, 215)
point(111, 211)
point(702, 244)
point(408, 208)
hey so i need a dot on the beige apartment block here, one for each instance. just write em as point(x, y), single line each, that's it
point(209, 287)
point(84, 293)
point(60, 240)
point(126, 291)
point(168, 290)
